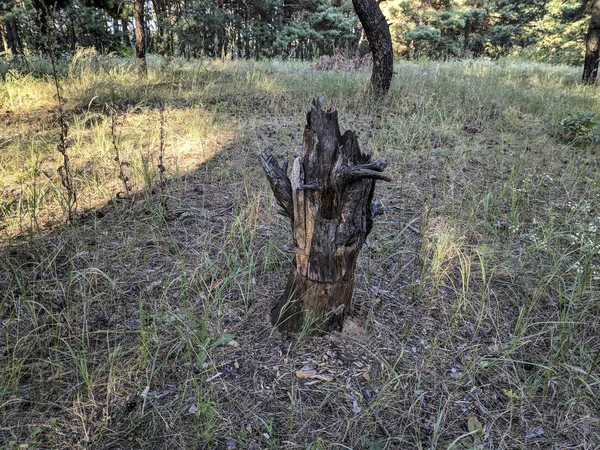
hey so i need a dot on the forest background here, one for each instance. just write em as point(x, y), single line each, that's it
point(542, 30)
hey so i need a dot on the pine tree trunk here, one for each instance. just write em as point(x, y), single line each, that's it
point(125, 28)
point(71, 34)
point(328, 200)
point(3, 36)
point(219, 34)
point(280, 14)
point(140, 42)
point(380, 41)
point(466, 35)
point(160, 10)
point(592, 46)
point(12, 37)
point(17, 39)
point(116, 30)
point(60, 38)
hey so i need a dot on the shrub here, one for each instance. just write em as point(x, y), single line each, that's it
point(580, 125)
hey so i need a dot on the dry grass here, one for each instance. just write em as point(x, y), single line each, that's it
point(145, 324)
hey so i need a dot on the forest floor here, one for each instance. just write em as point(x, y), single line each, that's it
point(145, 323)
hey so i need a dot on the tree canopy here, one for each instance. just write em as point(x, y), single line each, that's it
point(549, 30)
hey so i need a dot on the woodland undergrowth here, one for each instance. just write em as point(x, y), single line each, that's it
point(143, 322)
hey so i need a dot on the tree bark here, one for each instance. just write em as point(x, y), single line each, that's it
point(160, 10)
point(280, 14)
point(467, 35)
point(140, 42)
point(380, 41)
point(328, 201)
point(592, 46)
point(115, 26)
point(12, 37)
point(3, 36)
point(71, 35)
point(125, 28)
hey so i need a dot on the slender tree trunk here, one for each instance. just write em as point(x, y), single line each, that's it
point(328, 201)
point(71, 34)
point(219, 32)
point(281, 14)
point(380, 41)
point(10, 40)
point(3, 36)
point(115, 26)
point(174, 23)
point(592, 46)
point(13, 40)
point(160, 9)
point(140, 42)
point(246, 38)
point(60, 37)
point(17, 38)
point(239, 44)
point(280, 23)
point(467, 36)
point(125, 27)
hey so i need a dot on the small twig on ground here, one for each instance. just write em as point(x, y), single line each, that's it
point(413, 229)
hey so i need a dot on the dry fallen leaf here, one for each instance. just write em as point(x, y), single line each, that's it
point(302, 373)
point(312, 374)
point(144, 393)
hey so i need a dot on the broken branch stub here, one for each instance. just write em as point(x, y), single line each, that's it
point(328, 199)
point(280, 183)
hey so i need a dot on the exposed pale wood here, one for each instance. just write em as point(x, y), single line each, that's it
point(331, 188)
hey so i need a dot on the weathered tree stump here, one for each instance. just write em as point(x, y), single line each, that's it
point(328, 201)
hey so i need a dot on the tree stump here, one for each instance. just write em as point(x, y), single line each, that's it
point(328, 201)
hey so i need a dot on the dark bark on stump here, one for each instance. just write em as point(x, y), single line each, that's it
point(328, 200)
point(380, 41)
point(592, 46)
